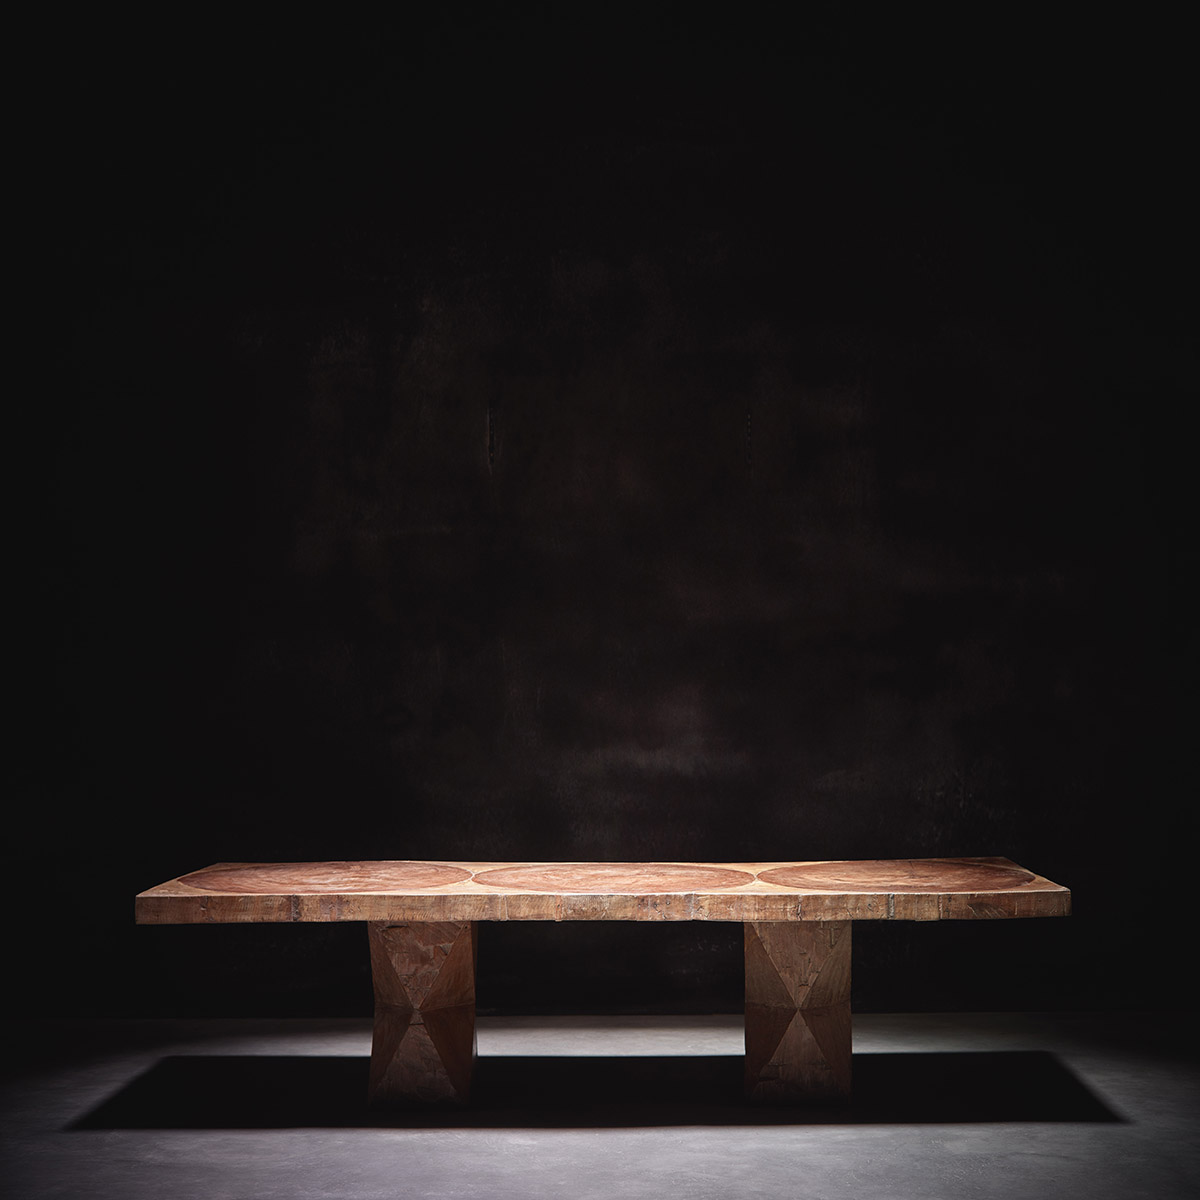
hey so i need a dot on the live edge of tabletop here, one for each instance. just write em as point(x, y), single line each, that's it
point(402, 891)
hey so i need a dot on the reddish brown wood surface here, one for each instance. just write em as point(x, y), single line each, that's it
point(323, 878)
point(629, 879)
point(797, 1011)
point(402, 891)
point(423, 1047)
point(906, 875)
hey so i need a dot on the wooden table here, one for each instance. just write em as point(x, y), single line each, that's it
point(422, 919)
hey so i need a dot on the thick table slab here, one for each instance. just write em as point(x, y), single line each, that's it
point(422, 920)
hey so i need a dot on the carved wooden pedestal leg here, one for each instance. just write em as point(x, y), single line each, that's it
point(423, 1050)
point(797, 1011)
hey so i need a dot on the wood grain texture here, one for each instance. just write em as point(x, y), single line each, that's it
point(322, 878)
point(401, 891)
point(899, 875)
point(798, 1035)
point(628, 879)
point(423, 1046)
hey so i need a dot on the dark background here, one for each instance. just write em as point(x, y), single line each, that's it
point(611, 438)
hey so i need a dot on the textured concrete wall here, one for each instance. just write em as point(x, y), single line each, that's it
point(471, 442)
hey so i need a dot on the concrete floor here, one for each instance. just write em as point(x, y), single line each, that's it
point(956, 1106)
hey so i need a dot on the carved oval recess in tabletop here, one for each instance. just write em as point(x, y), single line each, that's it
point(600, 878)
point(899, 875)
point(299, 879)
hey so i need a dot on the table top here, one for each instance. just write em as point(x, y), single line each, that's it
point(904, 889)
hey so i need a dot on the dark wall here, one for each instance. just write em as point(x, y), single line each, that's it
point(490, 440)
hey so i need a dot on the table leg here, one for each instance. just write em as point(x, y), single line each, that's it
point(797, 1011)
point(423, 1049)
